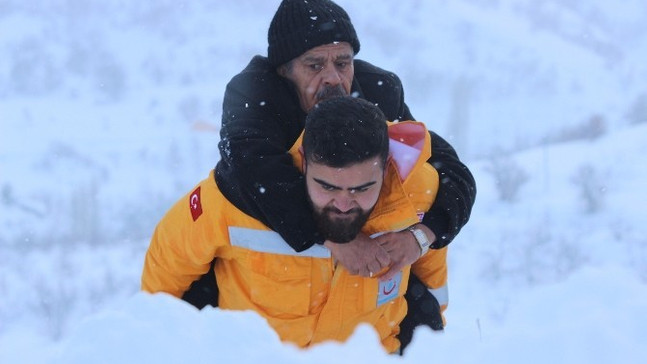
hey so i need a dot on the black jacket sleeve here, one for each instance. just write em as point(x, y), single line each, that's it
point(456, 193)
point(261, 120)
point(383, 88)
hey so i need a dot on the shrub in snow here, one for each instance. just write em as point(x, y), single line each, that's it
point(509, 177)
point(589, 129)
point(591, 187)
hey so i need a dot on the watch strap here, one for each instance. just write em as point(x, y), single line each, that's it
point(421, 239)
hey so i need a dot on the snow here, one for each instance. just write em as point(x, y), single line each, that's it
point(110, 111)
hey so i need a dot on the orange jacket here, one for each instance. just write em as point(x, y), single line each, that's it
point(304, 296)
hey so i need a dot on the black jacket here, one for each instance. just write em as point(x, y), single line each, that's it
point(262, 119)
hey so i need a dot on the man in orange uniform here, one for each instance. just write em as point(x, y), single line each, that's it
point(360, 176)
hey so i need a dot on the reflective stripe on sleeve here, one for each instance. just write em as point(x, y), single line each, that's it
point(441, 294)
point(267, 241)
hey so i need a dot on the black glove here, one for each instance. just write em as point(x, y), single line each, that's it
point(204, 291)
point(423, 309)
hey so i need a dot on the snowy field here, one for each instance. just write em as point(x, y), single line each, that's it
point(109, 112)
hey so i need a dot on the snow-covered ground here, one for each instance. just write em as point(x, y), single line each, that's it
point(109, 112)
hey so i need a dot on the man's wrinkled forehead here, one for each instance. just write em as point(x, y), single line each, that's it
point(339, 51)
point(311, 58)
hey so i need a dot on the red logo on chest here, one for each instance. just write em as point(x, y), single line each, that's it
point(391, 286)
point(195, 205)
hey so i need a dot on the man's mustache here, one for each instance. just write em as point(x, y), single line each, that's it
point(328, 210)
point(328, 92)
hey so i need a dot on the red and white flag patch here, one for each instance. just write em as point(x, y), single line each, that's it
point(195, 205)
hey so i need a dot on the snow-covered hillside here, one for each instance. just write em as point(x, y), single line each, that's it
point(109, 112)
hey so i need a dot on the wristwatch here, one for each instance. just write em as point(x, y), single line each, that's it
point(421, 239)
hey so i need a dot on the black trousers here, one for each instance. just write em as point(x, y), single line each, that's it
point(423, 308)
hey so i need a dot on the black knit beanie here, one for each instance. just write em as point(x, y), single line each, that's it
point(300, 25)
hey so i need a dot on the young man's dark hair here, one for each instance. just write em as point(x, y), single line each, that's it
point(343, 131)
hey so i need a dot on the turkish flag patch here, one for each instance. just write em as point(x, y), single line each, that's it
point(195, 205)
